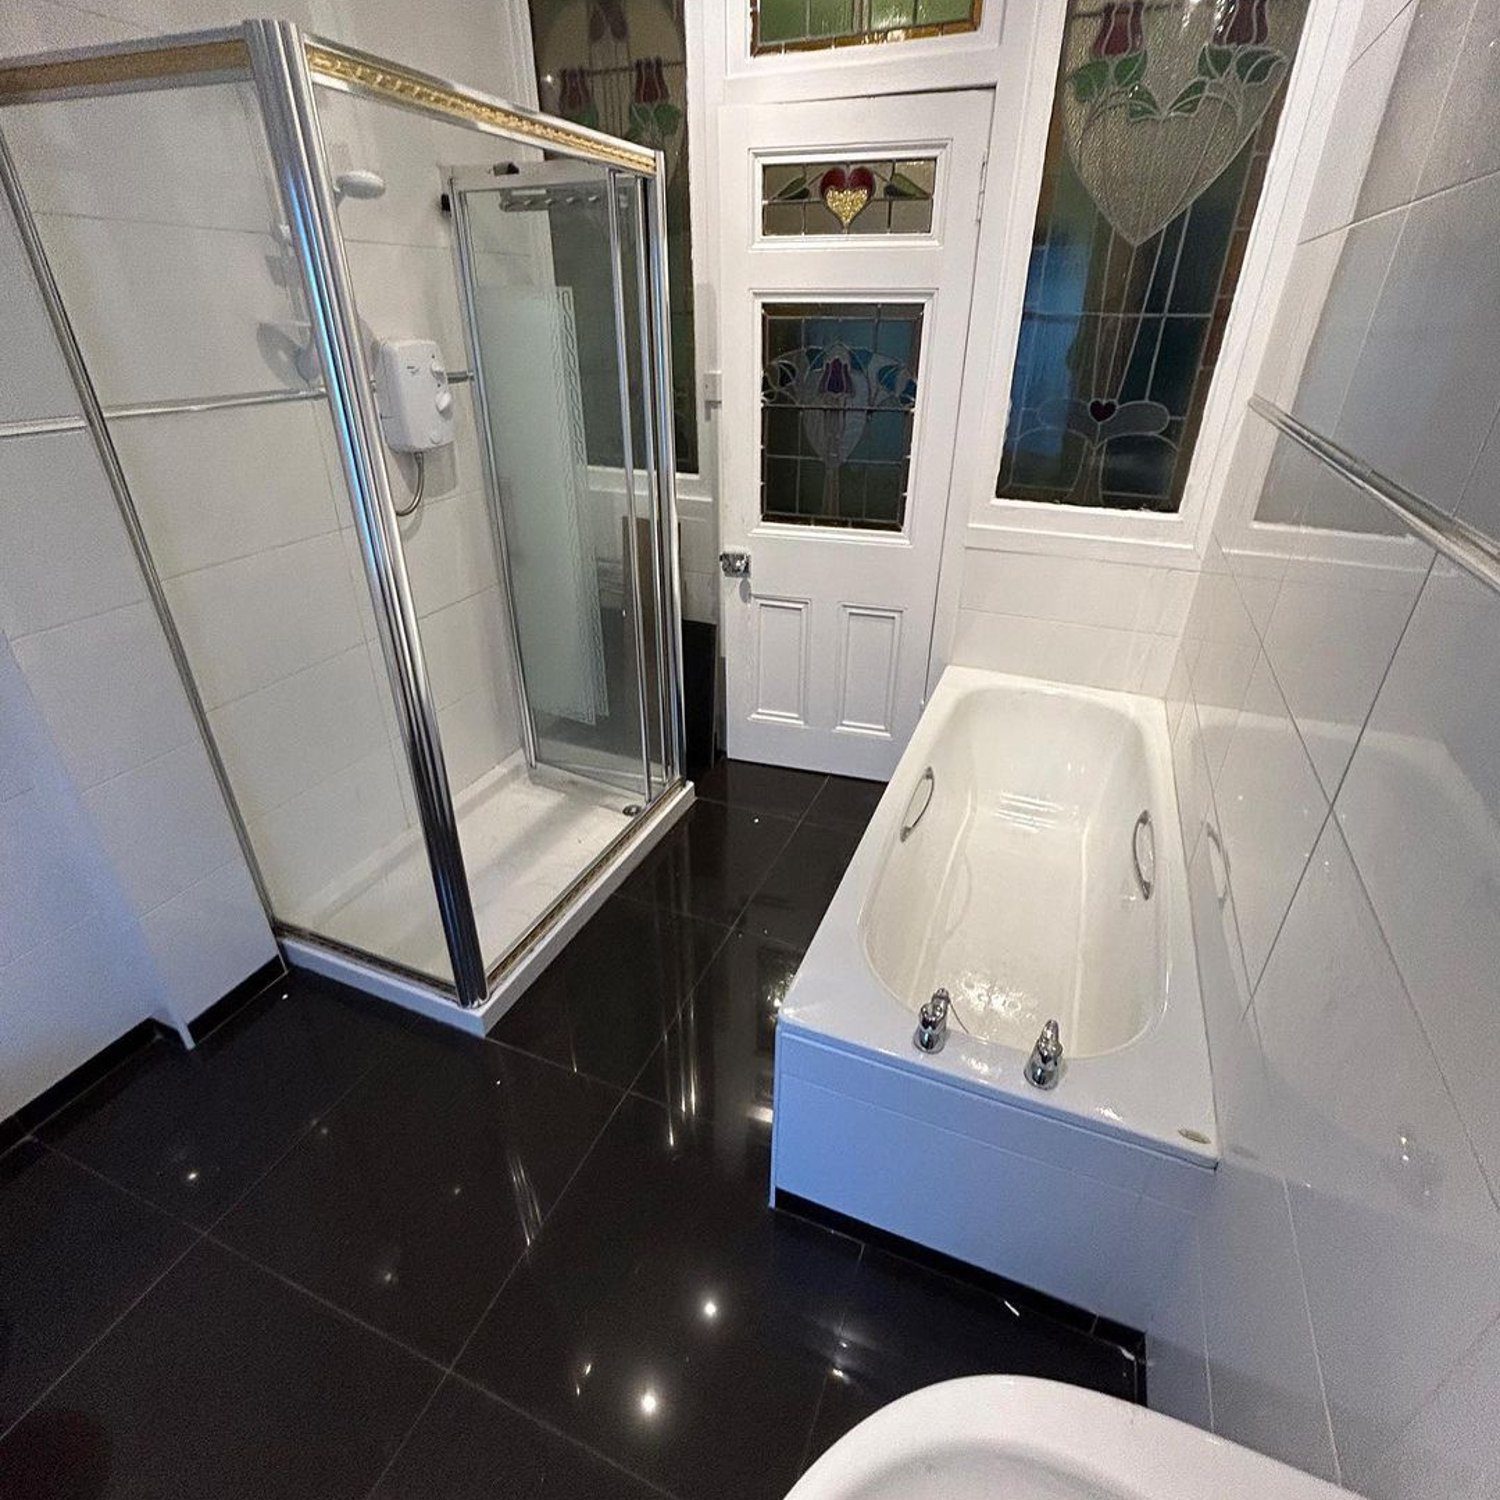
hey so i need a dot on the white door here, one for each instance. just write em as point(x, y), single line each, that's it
point(843, 352)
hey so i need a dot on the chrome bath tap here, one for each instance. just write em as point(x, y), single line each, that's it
point(1045, 1062)
point(932, 1022)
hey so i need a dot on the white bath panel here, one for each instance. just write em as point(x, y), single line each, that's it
point(869, 648)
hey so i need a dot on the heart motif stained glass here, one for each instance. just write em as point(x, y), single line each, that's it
point(1158, 99)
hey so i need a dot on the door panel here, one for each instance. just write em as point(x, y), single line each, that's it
point(848, 237)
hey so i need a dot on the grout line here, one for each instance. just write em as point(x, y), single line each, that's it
point(562, 1435)
point(88, 1349)
point(338, 1310)
point(812, 1427)
point(83, 1094)
point(452, 1368)
point(1312, 1333)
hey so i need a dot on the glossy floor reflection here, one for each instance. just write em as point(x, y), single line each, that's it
point(340, 1252)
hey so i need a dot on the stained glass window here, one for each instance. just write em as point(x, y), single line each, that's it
point(803, 25)
point(838, 397)
point(621, 66)
point(873, 196)
point(1162, 125)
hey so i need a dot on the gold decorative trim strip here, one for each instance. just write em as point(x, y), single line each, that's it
point(112, 70)
point(923, 33)
point(420, 92)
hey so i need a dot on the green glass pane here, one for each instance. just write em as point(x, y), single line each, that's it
point(830, 18)
point(942, 12)
point(782, 21)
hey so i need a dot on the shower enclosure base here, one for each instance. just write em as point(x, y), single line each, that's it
point(518, 812)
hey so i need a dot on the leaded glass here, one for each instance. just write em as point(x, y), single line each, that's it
point(868, 196)
point(621, 66)
point(838, 398)
point(807, 25)
point(1163, 121)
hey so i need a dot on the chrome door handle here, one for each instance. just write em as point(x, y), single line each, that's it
point(734, 563)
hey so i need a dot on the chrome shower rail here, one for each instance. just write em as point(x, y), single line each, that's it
point(1459, 542)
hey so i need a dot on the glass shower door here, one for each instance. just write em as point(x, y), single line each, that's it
point(548, 271)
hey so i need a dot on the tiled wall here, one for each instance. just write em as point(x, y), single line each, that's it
point(162, 230)
point(123, 893)
point(1097, 622)
point(1335, 713)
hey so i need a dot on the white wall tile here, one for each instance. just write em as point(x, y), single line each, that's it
point(254, 621)
point(1331, 637)
point(109, 691)
point(166, 156)
point(1466, 143)
point(1423, 395)
point(214, 486)
point(92, 983)
point(1344, 320)
point(1421, 812)
point(34, 381)
point(288, 737)
point(450, 551)
point(63, 550)
point(1386, 1194)
point(1430, 52)
point(1057, 651)
point(1081, 591)
point(1480, 505)
point(1356, 124)
point(208, 938)
point(163, 825)
point(1374, 18)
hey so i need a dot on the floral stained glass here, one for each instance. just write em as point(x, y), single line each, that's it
point(805, 25)
point(1164, 116)
point(838, 400)
point(853, 197)
point(621, 66)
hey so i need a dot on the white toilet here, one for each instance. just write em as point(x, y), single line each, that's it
point(1006, 1435)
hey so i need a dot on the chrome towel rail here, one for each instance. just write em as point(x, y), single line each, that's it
point(1461, 543)
point(928, 781)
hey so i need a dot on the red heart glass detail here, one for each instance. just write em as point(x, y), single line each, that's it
point(1102, 411)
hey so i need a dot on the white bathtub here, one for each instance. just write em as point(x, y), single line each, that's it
point(1017, 891)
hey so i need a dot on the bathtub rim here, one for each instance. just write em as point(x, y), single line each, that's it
point(837, 998)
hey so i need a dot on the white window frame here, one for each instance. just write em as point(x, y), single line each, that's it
point(1028, 73)
point(964, 59)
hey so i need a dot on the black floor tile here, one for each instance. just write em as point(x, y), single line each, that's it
point(711, 863)
point(846, 802)
point(74, 1254)
point(718, 1058)
point(765, 789)
point(666, 1317)
point(223, 1382)
point(192, 1130)
point(409, 1202)
point(604, 1004)
point(793, 897)
point(908, 1326)
point(469, 1446)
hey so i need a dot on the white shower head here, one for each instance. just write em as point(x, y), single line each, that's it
point(358, 184)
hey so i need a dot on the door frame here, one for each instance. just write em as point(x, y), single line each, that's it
point(755, 269)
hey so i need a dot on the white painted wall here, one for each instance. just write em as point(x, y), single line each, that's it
point(1335, 709)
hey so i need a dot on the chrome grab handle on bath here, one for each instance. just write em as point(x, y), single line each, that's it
point(928, 780)
point(1146, 883)
point(1221, 891)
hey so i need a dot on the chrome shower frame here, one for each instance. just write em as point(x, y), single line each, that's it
point(286, 67)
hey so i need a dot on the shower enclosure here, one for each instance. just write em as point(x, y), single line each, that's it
point(377, 368)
